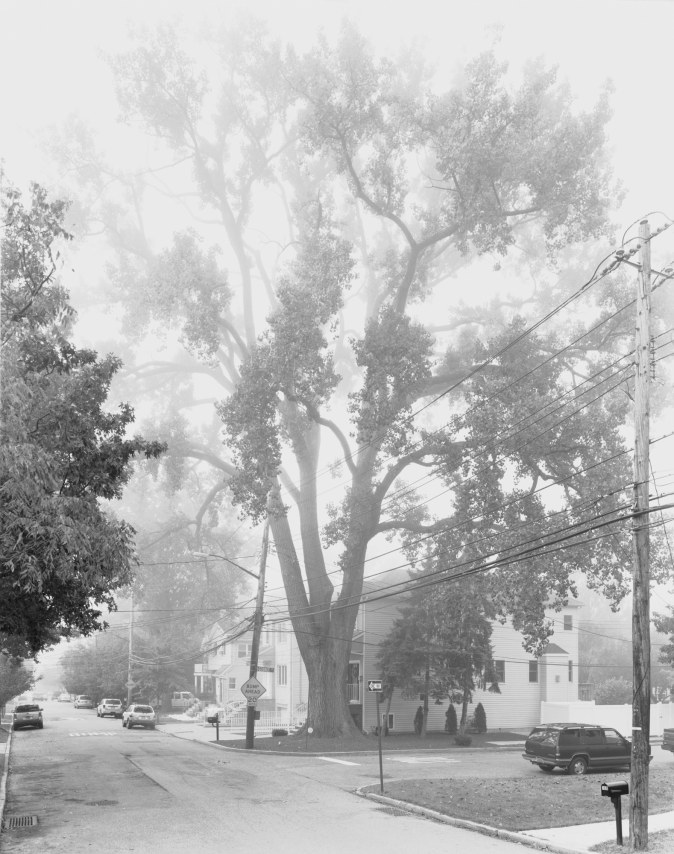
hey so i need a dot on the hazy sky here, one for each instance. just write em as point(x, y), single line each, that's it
point(50, 60)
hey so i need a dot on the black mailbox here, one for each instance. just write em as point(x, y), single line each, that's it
point(615, 788)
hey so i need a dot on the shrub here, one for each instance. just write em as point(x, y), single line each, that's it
point(451, 724)
point(480, 718)
point(613, 692)
point(462, 740)
point(275, 732)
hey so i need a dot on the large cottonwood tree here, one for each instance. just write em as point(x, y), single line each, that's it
point(346, 196)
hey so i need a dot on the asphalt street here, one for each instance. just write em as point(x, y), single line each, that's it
point(93, 786)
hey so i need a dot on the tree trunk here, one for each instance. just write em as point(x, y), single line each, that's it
point(427, 685)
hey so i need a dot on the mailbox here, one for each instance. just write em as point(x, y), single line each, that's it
point(615, 788)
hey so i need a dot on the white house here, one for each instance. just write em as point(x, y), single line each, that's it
point(226, 666)
point(525, 682)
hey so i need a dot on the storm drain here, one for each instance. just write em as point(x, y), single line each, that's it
point(19, 821)
point(392, 811)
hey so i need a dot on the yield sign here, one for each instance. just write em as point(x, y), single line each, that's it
point(252, 689)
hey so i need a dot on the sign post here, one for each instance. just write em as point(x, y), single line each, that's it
point(377, 686)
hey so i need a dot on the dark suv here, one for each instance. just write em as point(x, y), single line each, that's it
point(576, 747)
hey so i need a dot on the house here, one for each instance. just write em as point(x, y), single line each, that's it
point(226, 666)
point(525, 682)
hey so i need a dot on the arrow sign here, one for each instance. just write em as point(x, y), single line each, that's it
point(252, 689)
point(374, 685)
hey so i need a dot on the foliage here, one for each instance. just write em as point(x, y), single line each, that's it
point(613, 692)
point(62, 553)
point(451, 722)
point(15, 678)
point(480, 718)
point(462, 740)
point(373, 193)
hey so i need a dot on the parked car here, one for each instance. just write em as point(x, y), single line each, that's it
point(84, 701)
point(182, 700)
point(111, 707)
point(28, 714)
point(575, 748)
point(64, 698)
point(139, 715)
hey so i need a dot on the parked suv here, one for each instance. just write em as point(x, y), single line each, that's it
point(575, 748)
point(29, 714)
point(110, 707)
point(84, 701)
point(139, 715)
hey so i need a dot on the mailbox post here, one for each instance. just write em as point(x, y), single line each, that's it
point(614, 790)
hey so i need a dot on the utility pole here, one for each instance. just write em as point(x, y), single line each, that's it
point(129, 679)
point(257, 632)
point(641, 639)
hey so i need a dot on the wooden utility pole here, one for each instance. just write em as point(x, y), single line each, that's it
point(257, 632)
point(641, 637)
point(129, 671)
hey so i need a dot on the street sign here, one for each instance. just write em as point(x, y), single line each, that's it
point(252, 690)
point(374, 685)
point(265, 669)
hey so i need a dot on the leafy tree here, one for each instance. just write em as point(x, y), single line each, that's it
point(15, 678)
point(613, 692)
point(62, 453)
point(379, 192)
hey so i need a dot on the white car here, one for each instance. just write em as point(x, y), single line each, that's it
point(138, 714)
point(84, 701)
point(114, 708)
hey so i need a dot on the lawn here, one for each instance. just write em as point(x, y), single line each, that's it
point(553, 800)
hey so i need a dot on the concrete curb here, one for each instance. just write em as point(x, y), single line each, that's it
point(486, 830)
point(5, 772)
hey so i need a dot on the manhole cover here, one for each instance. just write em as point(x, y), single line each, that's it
point(15, 822)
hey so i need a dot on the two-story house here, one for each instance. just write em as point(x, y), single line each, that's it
point(226, 666)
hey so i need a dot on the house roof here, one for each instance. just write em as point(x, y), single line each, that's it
point(553, 649)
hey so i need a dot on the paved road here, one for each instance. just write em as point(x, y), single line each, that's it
point(96, 787)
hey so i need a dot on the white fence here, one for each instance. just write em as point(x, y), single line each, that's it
point(620, 717)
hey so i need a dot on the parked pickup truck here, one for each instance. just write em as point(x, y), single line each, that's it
point(668, 740)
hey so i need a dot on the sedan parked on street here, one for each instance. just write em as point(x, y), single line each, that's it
point(139, 715)
point(29, 714)
point(84, 701)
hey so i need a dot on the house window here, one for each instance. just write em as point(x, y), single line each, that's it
point(244, 650)
point(390, 720)
point(570, 671)
point(499, 670)
point(232, 682)
point(281, 674)
point(568, 622)
point(533, 671)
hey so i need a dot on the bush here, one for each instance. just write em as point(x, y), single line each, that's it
point(462, 740)
point(275, 732)
point(613, 692)
point(480, 718)
point(451, 724)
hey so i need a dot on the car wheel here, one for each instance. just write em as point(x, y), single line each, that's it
point(151, 726)
point(40, 725)
point(578, 765)
point(124, 723)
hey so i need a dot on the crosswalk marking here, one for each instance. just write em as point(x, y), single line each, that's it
point(420, 760)
point(93, 733)
point(340, 761)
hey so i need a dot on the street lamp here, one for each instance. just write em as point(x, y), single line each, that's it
point(258, 620)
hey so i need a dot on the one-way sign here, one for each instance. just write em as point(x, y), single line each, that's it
point(374, 685)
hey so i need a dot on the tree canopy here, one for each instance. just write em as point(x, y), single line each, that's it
point(344, 201)
point(63, 453)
